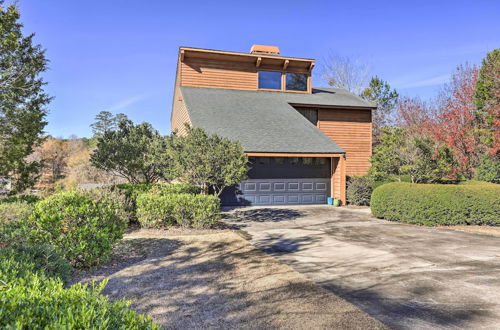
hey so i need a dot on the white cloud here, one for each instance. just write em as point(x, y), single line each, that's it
point(426, 82)
point(125, 103)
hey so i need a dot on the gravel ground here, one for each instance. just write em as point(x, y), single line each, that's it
point(486, 230)
point(216, 279)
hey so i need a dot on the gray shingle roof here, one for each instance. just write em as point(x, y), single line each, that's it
point(265, 121)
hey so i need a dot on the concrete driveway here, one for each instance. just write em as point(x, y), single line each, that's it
point(406, 276)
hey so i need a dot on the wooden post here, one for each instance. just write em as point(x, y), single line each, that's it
point(342, 163)
point(332, 183)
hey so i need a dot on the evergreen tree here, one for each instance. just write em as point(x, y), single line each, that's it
point(380, 93)
point(487, 99)
point(104, 122)
point(22, 100)
point(137, 153)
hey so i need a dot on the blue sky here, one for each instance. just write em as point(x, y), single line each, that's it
point(120, 56)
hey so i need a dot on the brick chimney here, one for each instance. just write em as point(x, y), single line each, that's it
point(264, 50)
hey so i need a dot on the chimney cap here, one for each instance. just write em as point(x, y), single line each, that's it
point(265, 50)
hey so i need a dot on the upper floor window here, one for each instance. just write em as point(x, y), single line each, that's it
point(270, 80)
point(296, 81)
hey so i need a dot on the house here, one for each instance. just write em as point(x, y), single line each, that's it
point(302, 141)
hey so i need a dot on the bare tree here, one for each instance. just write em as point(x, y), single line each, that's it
point(345, 72)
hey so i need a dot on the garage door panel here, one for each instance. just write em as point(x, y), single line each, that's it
point(266, 186)
point(321, 186)
point(278, 199)
point(264, 199)
point(250, 186)
point(279, 186)
point(320, 199)
point(307, 186)
point(307, 198)
point(251, 199)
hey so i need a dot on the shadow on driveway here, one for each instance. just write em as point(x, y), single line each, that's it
point(404, 275)
point(221, 281)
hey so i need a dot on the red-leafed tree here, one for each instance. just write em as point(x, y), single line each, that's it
point(456, 124)
point(416, 116)
point(450, 121)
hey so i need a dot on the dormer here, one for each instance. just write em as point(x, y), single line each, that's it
point(262, 69)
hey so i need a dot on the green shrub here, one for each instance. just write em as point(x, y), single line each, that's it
point(14, 211)
point(489, 170)
point(30, 300)
point(43, 257)
point(82, 225)
point(132, 191)
point(438, 204)
point(177, 188)
point(359, 191)
point(474, 182)
point(15, 232)
point(389, 179)
point(186, 210)
point(30, 199)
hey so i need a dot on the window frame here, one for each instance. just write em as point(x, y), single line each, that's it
point(283, 82)
point(295, 90)
point(270, 89)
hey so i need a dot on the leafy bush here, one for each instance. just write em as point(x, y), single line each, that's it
point(15, 232)
point(400, 152)
point(438, 204)
point(30, 199)
point(132, 191)
point(43, 257)
point(359, 191)
point(82, 225)
point(30, 300)
point(187, 210)
point(177, 188)
point(14, 211)
point(489, 170)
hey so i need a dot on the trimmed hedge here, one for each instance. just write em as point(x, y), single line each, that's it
point(187, 210)
point(438, 204)
point(82, 225)
point(31, 300)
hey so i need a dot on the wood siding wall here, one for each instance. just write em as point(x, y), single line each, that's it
point(352, 130)
point(339, 178)
point(335, 177)
point(200, 72)
point(180, 115)
point(204, 72)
